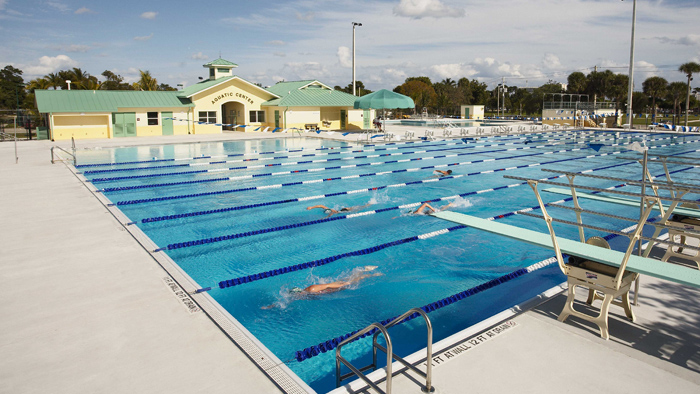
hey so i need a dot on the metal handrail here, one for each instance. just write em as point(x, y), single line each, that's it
point(382, 329)
point(3, 135)
point(75, 160)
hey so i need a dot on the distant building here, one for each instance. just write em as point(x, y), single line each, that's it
point(471, 111)
point(215, 105)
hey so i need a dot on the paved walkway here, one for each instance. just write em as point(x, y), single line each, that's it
point(85, 309)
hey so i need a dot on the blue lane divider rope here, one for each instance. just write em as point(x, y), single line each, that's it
point(196, 195)
point(221, 238)
point(280, 271)
point(156, 160)
point(138, 187)
point(96, 180)
point(315, 350)
point(308, 198)
point(334, 153)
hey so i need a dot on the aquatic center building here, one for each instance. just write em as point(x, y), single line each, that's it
point(222, 102)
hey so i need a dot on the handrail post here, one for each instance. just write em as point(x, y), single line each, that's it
point(75, 158)
point(52, 158)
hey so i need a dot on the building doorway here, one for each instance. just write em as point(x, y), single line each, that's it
point(232, 114)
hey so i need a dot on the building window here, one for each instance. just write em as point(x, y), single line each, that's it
point(152, 118)
point(257, 116)
point(211, 73)
point(207, 116)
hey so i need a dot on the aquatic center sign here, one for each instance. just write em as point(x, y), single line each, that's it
point(229, 94)
point(443, 357)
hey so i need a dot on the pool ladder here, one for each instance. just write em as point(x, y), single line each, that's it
point(390, 356)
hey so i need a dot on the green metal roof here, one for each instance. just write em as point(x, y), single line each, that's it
point(310, 93)
point(106, 100)
point(220, 62)
point(209, 83)
point(204, 85)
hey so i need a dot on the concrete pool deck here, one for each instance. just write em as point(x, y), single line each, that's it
point(87, 310)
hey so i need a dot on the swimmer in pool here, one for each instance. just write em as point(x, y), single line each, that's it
point(441, 173)
point(357, 275)
point(422, 209)
point(330, 211)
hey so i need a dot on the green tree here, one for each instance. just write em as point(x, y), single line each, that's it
point(146, 82)
point(114, 82)
point(617, 91)
point(55, 80)
point(39, 83)
point(599, 83)
point(533, 103)
point(576, 83)
point(676, 92)
point(640, 102)
point(654, 87)
point(360, 88)
point(422, 93)
point(166, 87)
point(688, 69)
point(11, 87)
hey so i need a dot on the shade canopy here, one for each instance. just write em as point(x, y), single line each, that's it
point(384, 99)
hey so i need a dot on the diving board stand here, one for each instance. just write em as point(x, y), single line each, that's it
point(611, 272)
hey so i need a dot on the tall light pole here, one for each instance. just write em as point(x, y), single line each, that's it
point(630, 118)
point(353, 56)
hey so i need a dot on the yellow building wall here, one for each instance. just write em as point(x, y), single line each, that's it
point(327, 118)
point(144, 130)
point(78, 126)
point(234, 90)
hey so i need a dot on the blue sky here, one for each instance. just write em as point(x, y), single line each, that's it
point(527, 42)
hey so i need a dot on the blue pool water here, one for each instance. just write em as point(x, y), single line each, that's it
point(413, 274)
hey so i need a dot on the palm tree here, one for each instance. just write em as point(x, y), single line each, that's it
point(55, 80)
point(654, 87)
point(618, 92)
point(147, 82)
point(576, 82)
point(676, 91)
point(39, 83)
point(688, 69)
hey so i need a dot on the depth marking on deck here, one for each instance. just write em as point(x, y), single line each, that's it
point(187, 302)
point(447, 355)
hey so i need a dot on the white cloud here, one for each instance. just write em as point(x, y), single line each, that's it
point(143, 38)
point(309, 16)
point(49, 64)
point(199, 56)
point(279, 54)
point(306, 70)
point(551, 62)
point(688, 40)
point(454, 70)
point(76, 48)
point(275, 42)
point(149, 15)
point(3, 3)
point(58, 6)
point(84, 10)
point(417, 9)
point(344, 57)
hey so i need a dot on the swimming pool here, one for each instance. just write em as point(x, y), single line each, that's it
point(254, 219)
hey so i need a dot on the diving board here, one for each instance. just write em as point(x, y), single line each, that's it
point(620, 201)
point(642, 265)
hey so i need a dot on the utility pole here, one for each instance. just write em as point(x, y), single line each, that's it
point(630, 114)
point(353, 56)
